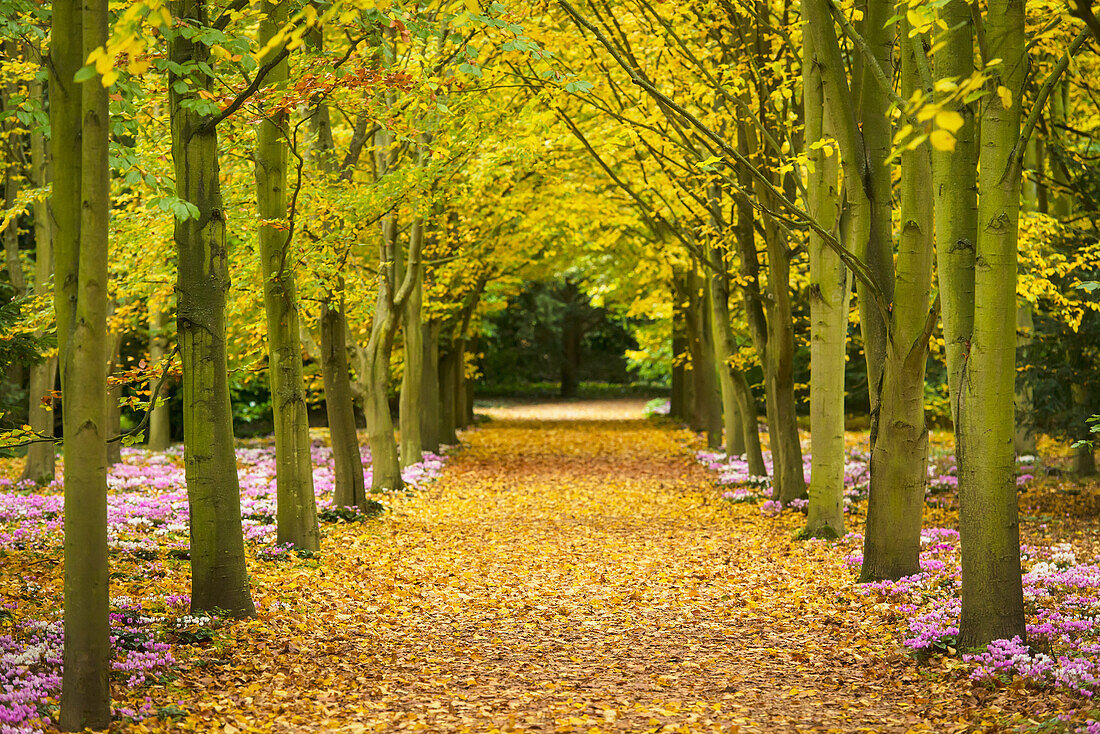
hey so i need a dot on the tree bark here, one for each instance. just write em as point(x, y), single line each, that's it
point(114, 395)
point(296, 513)
point(955, 193)
point(707, 406)
point(429, 391)
point(830, 286)
point(80, 124)
point(350, 486)
point(160, 425)
point(40, 465)
point(219, 577)
point(992, 592)
point(411, 400)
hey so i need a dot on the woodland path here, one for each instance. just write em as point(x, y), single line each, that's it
point(573, 569)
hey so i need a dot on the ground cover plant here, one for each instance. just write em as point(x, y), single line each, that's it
point(149, 549)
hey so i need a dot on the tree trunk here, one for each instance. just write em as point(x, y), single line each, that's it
point(219, 577)
point(114, 395)
point(724, 350)
point(992, 592)
point(788, 474)
point(447, 366)
point(385, 462)
point(707, 403)
point(461, 410)
point(412, 447)
point(296, 513)
point(429, 391)
point(899, 443)
point(160, 425)
point(80, 123)
point(41, 457)
point(350, 487)
point(955, 192)
point(830, 286)
point(1024, 439)
point(676, 400)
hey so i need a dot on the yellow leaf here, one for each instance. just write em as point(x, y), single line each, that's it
point(950, 120)
point(472, 6)
point(1006, 96)
point(942, 140)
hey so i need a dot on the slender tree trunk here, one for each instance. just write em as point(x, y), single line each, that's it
point(429, 391)
point(1024, 440)
point(992, 592)
point(955, 191)
point(707, 406)
point(676, 400)
point(788, 474)
point(448, 362)
point(219, 577)
point(350, 488)
point(718, 293)
point(877, 251)
point(114, 394)
point(296, 513)
point(80, 124)
point(412, 447)
point(462, 412)
point(160, 426)
point(41, 457)
point(830, 286)
point(724, 350)
point(571, 335)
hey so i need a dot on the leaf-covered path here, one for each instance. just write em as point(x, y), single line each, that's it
point(573, 569)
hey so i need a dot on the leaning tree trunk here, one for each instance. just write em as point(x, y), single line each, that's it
point(350, 486)
point(296, 513)
point(80, 124)
point(385, 461)
point(989, 530)
point(219, 577)
point(830, 286)
point(41, 457)
point(160, 426)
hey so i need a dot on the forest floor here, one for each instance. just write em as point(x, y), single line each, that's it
point(574, 569)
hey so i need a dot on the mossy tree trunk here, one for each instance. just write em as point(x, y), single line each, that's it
point(830, 286)
point(80, 124)
point(219, 577)
point(412, 379)
point(296, 512)
point(992, 591)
